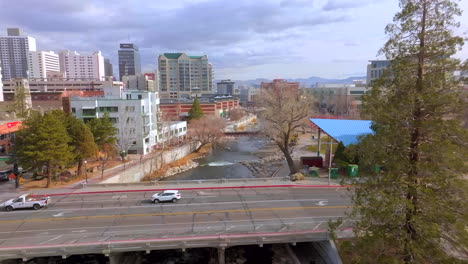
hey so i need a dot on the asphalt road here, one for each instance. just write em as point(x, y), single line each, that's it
point(125, 216)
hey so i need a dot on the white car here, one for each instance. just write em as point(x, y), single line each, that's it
point(26, 201)
point(166, 196)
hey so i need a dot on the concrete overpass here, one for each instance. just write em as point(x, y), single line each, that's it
point(113, 222)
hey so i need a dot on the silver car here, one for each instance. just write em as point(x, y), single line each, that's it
point(166, 196)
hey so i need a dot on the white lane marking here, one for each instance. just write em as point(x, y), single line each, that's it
point(171, 205)
point(78, 231)
point(114, 198)
point(322, 203)
point(317, 225)
point(325, 218)
point(50, 240)
point(60, 214)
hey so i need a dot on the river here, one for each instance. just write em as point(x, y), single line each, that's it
point(223, 162)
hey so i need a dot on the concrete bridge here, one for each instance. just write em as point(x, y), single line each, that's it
point(117, 221)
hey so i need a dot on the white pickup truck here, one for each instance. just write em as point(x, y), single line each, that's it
point(26, 201)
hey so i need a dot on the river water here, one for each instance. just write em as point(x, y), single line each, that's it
point(223, 162)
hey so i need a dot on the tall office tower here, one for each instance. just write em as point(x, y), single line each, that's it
point(14, 52)
point(82, 67)
point(42, 62)
point(375, 69)
point(108, 70)
point(1, 83)
point(225, 87)
point(129, 60)
point(184, 76)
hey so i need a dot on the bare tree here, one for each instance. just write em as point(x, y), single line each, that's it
point(285, 111)
point(206, 130)
point(126, 134)
point(237, 114)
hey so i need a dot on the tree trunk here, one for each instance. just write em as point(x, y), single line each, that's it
point(48, 175)
point(412, 196)
point(289, 160)
point(80, 167)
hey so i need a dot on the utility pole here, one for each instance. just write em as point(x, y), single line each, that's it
point(330, 161)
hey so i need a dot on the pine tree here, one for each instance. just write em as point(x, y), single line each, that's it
point(82, 140)
point(415, 211)
point(195, 112)
point(103, 131)
point(44, 143)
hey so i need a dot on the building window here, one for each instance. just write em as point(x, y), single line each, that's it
point(356, 92)
point(73, 110)
point(89, 112)
point(108, 109)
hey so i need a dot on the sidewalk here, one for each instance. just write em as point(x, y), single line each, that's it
point(188, 185)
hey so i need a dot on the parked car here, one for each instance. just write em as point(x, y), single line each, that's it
point(166, 196)
point(26, 201)
point(4, 174)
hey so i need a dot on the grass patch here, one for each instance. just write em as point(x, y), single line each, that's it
point(323, 148)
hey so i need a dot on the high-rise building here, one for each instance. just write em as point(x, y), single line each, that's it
point(225, 87)
point(14, 52)
point(1, 83)
point(82, 67)
point(108, 70)
point(42, 62)
point(375, 69)
point(129, 60)
point(184, 76)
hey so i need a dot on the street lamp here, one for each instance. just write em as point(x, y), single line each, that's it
point(85, 172)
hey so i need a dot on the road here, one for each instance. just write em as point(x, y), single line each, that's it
point(86, 218)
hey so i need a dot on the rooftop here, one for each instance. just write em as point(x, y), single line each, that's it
point(346, 131)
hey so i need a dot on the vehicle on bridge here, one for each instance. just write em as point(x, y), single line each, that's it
point(166, 196)
point(26, 201)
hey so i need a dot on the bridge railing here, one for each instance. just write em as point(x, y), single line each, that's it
point(193, 182)
point(191, 241)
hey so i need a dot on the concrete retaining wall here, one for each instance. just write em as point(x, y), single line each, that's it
point(149, 165)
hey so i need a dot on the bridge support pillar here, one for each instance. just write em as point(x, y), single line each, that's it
point(221, 255)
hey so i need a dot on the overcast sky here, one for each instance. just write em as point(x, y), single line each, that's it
point(244, 39)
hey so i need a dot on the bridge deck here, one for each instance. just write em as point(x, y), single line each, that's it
point(117, 222)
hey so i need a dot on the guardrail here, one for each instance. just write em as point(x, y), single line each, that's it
point(189, 182)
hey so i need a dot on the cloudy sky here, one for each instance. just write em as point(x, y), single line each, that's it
point(244, 39)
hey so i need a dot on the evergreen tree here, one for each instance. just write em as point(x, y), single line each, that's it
point(82, 140)
point(43, 142)
point(415, 210)
point(195, 112)
point(340, 156)
point(103, 131)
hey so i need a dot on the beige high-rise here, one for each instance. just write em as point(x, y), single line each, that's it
point(183, 76)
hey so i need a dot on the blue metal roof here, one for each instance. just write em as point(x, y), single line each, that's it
point(343, 130)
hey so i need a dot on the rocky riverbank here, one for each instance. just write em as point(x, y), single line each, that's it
point(265, 167)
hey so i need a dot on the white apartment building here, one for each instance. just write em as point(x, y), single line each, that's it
point(14, 52)
point(42, 62)
point(78, 66)
point(134, 114)
point(57, 82)
point(141, 82)
point(172, 133)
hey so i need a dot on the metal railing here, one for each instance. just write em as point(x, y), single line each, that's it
point(192, 182)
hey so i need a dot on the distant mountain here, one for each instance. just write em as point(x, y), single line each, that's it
point(309, 82)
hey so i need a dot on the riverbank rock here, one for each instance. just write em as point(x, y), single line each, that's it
point(298, 176)
point(264, 167)
point(175, 170)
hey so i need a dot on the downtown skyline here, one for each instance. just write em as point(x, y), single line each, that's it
point(243, 39)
